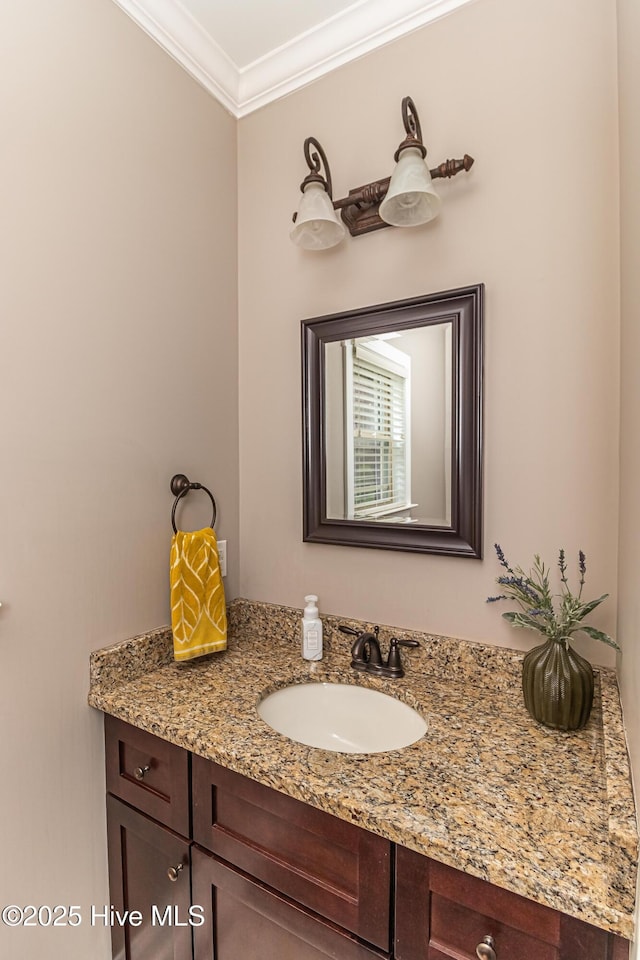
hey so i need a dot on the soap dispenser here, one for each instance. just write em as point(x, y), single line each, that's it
point(311, 630)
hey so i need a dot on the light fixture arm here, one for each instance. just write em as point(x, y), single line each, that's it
point(412, 128)
point(449, 168)
point(316, 161)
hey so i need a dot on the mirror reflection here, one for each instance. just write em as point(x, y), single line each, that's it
point(388, 408)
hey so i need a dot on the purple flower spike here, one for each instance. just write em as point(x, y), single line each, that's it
point(501, 556)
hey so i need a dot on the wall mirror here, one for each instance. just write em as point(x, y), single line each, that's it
point(392, 409)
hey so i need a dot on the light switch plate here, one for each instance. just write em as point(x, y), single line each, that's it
point(222, 557)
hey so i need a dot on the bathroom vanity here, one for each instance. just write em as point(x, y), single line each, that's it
point(490, 836)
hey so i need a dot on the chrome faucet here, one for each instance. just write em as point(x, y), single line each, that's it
point(366, 655)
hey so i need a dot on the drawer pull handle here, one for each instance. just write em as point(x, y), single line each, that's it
point(140, 772)
point(485, 951)
point(174, 872)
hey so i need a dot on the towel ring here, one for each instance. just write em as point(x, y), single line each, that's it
point(180, 487)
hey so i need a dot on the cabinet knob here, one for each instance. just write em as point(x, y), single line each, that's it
point(485, 951)
point(140, 772)
point(174, 872)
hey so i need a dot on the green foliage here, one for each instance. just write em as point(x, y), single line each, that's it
point(557, 616)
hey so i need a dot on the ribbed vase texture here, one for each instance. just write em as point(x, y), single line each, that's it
point(558, 686)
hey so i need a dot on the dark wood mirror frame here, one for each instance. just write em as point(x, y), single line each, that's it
point(463, 538)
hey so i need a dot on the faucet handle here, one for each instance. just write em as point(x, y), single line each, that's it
point(394, 661)
point(356, 633)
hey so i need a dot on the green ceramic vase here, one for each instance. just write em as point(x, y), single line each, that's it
point(558, 686)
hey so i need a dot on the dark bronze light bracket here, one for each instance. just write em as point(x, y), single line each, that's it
point(316, 159)
point(359, 209)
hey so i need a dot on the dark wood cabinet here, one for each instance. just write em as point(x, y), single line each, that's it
point(444, 914)
point(143, 858)
point(148, 773)
point(150, 846)
point(286, 880)
point(247, 921)
point(223, 868)
point(333, 868)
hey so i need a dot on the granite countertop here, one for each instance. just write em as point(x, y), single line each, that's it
point(487, 790)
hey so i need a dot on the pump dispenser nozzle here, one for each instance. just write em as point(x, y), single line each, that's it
point(311, 609)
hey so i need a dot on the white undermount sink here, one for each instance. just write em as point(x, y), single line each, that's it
point(342, 717)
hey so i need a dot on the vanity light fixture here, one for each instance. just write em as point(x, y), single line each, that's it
point(405, 199)
point(316, 225)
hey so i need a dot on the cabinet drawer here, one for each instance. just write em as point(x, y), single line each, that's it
point(456, 930)
point(246, 921)
point(148, 773)
point(442, 913)
point(332, 867)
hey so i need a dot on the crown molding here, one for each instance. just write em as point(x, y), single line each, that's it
point(361, 28)
point(357, 31)
point(176, 31)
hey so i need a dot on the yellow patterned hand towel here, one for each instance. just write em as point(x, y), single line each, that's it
point(198, 611)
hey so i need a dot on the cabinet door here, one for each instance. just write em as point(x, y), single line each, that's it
point(246, 921)
point(333, 868)
point(141, 852)
point(444, 914)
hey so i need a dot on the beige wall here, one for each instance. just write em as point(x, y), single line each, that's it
point(529, 89)
point(629, 562)
point(117, 369)
point(629, 598)
point(120, 353)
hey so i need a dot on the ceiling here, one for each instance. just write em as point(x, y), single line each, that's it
point(250, 52)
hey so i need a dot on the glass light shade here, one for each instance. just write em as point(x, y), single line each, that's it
point(317, 225)
point(411, 198)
